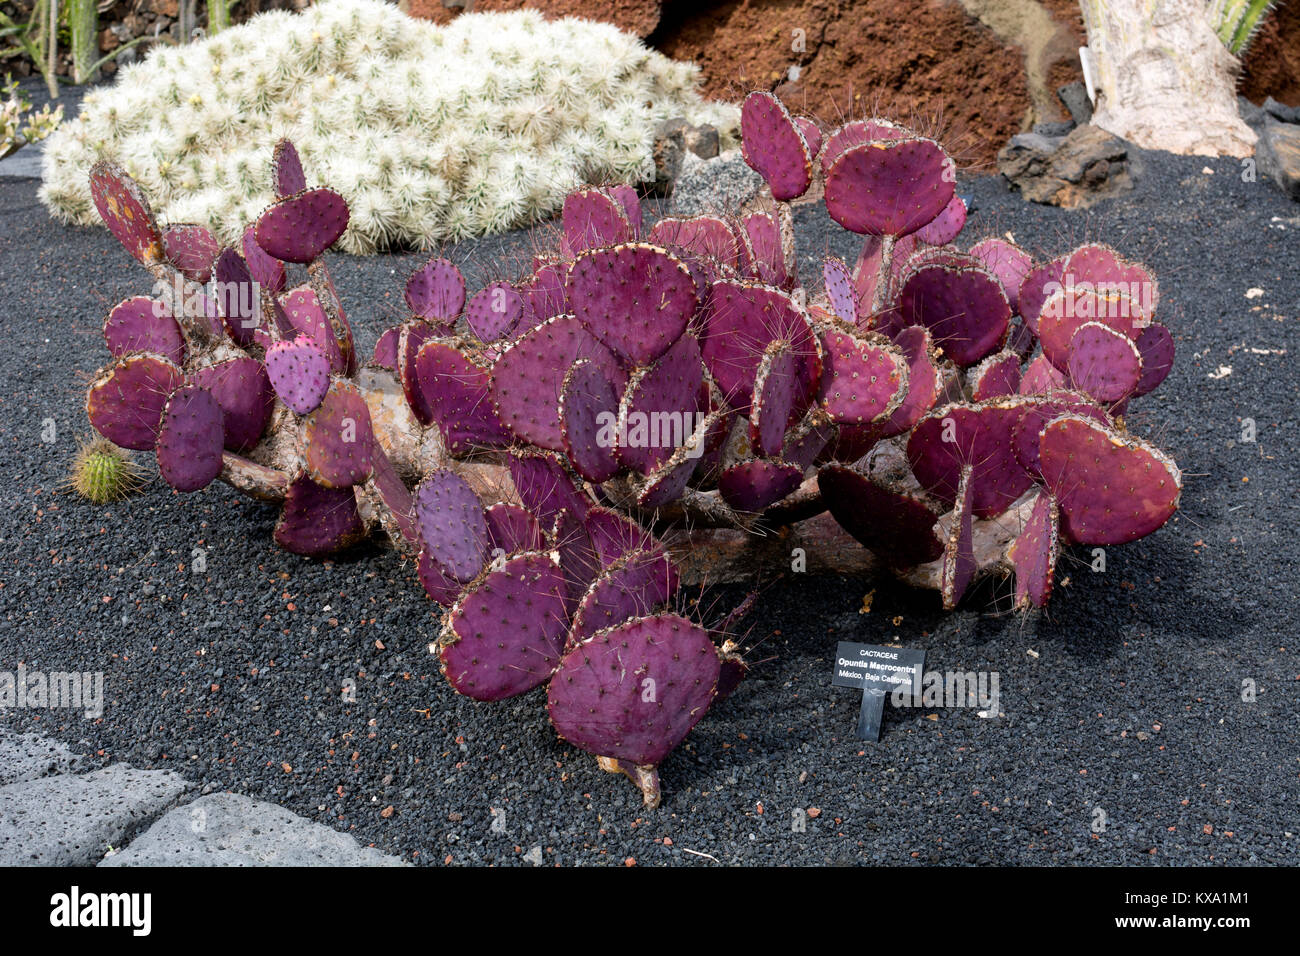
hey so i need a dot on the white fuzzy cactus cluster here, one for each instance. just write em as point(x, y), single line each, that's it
point(432, 133)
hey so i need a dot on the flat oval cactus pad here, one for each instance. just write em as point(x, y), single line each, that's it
point(1111, 488)
point(125, 402)
point(126, 212)
point(505, 634)
point(633, 692)
point(300, 228)
point(142, 324)
point(452, 524)
point(299, 372)
point(337, 438)
point(190, 439)
point(774, 146)
point(889, 187)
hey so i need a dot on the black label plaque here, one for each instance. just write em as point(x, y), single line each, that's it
point(877, 670)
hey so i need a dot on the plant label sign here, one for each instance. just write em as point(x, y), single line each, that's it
point(877, 670)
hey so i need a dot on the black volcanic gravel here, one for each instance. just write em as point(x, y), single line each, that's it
point(1126, 695)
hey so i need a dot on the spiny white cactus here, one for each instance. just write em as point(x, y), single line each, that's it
point(431, 133)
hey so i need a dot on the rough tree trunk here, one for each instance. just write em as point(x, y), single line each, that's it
point(1164, 80)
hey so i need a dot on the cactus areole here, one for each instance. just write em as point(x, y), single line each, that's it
point(526, 444)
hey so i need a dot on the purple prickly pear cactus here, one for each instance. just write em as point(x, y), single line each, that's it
point(958, 413)
point(301, 227)
point(190, 439)
point(436, 293)
point(299, 373)
point(286, 170)
point(633, 692)
point(774, 146)
point(126, 401)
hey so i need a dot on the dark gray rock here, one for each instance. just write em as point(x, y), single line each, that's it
point(1071, 171)
point(1061, 128)
point(1278, 156)
point(73, 821)
point(227, 829)
point(1281, 112)
point(1075, 97)
point(703, 140)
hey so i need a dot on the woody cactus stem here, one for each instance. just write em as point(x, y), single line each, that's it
point(957, 413)
point(1164, 79)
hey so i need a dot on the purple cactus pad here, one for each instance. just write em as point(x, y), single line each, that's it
point(305, 315)
point(126, 401)
point(633, 692)
point(897, 526)
point(743, 319)
point(840, 291)
point(750, 486)
point(943, 228)
point(242, 389)
point(436, 292)
point(1067, 310)
point(544, 486)
point(1156, 344)
point(965, 309)
point(299, 373)
point(957, 435)
point(614, 535)
point(1034, 552)
point(588, 410)
point(192, 249)
point(528, 376)
point(337, 438)
point(706, 236)
point(889, 187)
point(774, 146)
point(635, 298)
point(1008, 262)
point(300, 228)
point(636, 584)
point(386, 348)
point(316, 520)
point(267, 271)
point(452, 524)
point(125, 211)
point(1037, 413)
point(237, 297)
point(142, 324)
point(997, 375)
point(510, 529)
point(1111, 488)
point(286, 170)
point(456, 394)
point(1039, 284)
point(593, 218)
point(190, 439)
point(655, 414)
point(494, 311)
point(505, 634)
point(862, 382)
point(766, 250)
point(1103, 363)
